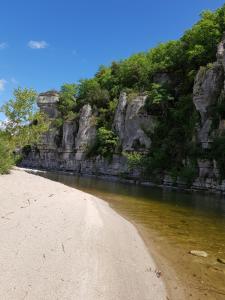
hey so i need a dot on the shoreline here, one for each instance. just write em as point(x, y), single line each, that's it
point(183, 278)
point(182, 188)
point(182, 275)
point(169, 275)
point(54, 247)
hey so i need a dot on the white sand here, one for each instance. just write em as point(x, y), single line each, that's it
point(57, 242)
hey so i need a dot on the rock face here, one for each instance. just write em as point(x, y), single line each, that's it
point(87, 132)
point(120, 114)
point(207, 88)
point(47, 103)
point(137, 123)
point(66, 148)
point(69, 131)
point(132, 123)
point(208, 91)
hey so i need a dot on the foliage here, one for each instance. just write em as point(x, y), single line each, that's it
point(67, 100)
point(158, 99)
point(91, 92)
point(106, 115)
point(6, 159)
point(188, 173)
point(201, 40)
point(24, 124)
point(165, 57)
point(134, 159)
point(172, 139)
point(106, 143)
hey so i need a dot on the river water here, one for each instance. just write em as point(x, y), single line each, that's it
point(173, 223)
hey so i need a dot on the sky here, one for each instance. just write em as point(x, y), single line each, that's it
point(46, 43)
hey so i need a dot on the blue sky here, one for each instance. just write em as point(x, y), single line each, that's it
point(46, 43)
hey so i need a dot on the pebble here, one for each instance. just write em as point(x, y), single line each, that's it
point(199, 253)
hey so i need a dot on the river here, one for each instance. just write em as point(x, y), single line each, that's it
point(172, 223)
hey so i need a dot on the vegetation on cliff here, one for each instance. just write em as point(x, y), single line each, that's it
point(173, 147)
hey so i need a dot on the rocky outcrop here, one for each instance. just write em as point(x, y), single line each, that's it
point(66, 148)
point(120, 115)
point(137, 125)
point(132, 123)
point(69, 131)
point(47, 103)
point(87, 132)
point(207, 88)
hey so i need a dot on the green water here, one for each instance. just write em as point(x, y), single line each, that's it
point(184, 220)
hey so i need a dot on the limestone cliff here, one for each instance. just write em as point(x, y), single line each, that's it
point(66, 148)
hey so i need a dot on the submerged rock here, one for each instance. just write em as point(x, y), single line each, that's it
point(199, 253)
point(221, 260)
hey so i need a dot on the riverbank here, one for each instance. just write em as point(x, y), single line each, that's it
point(198, 186)
point(60, 243)
point(171, 223)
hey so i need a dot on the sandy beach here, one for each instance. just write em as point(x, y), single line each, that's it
point(60, 243)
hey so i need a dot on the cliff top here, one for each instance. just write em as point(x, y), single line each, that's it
point(50, 93)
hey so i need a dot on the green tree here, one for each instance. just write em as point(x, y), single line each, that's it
point(158, 99)
point(67, 100)
point(201, 40)
point(6, 158)
point(91, 92)
point(24, 124)
point(107, 142)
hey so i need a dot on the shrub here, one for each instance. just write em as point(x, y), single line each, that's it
point(134, 160)
point(6, 159)
point(67, 100)
point(107, 142)
point(188, 173)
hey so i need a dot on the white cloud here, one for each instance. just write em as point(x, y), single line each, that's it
point(37, 44)
point(2, 84)
point(3, 45)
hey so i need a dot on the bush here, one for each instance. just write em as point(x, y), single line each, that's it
point(6, 159)
point(105, 145)
point(107, 142)
point(158, 99)
point(134, 160)
point(188, 174)
point(91, 92)
point(67, 100)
